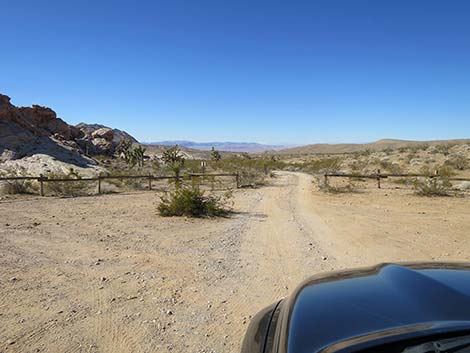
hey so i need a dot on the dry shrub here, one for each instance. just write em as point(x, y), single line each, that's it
point(458, 162)
point(432, 186)
point(66, 188)
point(350, 187)
point(12, 187)
point(325, 165)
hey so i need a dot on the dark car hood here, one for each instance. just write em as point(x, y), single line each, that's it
point(330, 313)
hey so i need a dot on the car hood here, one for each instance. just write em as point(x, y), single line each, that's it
point(343, 309)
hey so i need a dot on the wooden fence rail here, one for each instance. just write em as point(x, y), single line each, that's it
point(378, 176)
point(44, 179)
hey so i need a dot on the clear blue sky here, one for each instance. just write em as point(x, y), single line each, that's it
point(269, 71)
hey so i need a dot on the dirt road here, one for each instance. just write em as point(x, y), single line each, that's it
point(106, 274)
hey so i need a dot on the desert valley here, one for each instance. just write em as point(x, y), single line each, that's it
point(97, 264)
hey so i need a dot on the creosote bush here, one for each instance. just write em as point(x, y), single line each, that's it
point(12, 187)
point(458, 162)
point(192, 202)
point(324, 165)
point(432, 187)
point(66, 188)
point(350, 187)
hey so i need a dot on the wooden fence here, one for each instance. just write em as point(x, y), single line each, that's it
point(379, 176)
point(44, 179)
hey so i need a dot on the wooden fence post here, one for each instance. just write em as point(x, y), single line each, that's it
point(150, 182)
point(41, 184)
point(99, 184)
point(237, 177)
point(326, 179)
point(378, 178)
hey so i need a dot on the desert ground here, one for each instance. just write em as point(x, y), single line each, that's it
point(107, 274)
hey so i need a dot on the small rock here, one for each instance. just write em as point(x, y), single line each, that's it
point(169, 312)
point(13, 279)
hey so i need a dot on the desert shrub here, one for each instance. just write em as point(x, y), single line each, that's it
point(252, 171)
point(12, 187)
point(393, 168)
point(358, 165)
point(443, 171)
point(66, 188)
point(325, 165)
point(193, 202)
point(443, 149)
point(418, 147)
point(364, 153)
point(432, 186)
point(446, 171)
point(458, 162)
point(350, 187)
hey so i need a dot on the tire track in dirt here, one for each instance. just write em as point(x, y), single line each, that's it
point(278, 251)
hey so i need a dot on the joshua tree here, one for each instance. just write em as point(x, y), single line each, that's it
point(124, 147)
point(215, 155)
point(175, 161)
point(138, 155)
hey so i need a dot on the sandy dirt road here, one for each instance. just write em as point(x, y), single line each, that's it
point(106, 274)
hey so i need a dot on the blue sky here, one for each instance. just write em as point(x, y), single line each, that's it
point(268, 71)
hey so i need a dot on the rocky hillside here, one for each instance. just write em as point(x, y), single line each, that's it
point(36, 137)
point(118, 135)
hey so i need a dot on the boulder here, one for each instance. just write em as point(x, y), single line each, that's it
point(102, 146)
point(105, 133)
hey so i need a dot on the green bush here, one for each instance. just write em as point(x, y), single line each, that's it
point(193, 203)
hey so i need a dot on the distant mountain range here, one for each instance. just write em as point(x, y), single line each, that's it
point(251, 147)
point(379, 145)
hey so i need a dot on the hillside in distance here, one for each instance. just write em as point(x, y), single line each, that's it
point(249, 147)
point(380, 145)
